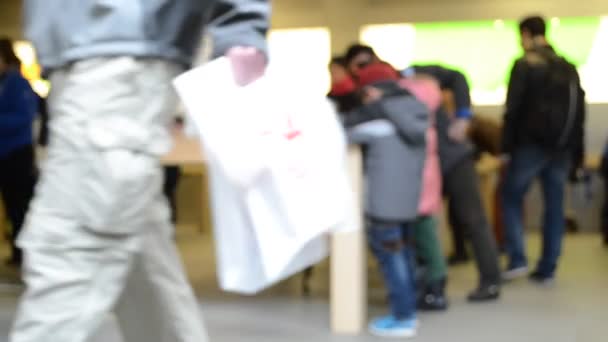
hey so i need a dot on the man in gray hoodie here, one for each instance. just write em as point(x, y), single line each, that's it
point(98, 236)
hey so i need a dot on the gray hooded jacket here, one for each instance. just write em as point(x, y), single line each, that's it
point(393, 134)
point(64, 31)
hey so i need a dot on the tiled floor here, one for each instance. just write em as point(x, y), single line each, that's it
point(575, 310)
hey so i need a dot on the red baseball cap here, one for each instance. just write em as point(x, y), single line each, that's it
point(377, 72)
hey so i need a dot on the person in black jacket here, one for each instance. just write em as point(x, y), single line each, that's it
point(543, 137)
point(466, 212)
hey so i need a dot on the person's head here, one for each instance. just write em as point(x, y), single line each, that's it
point(533, 30)
point(8, 58)
point(358, 56)
point(337, 69)
point(375, 73)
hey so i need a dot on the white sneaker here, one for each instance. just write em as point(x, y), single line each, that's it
point(515, 273)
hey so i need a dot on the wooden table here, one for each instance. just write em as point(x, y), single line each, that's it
point(348, 250)
point(187, 154)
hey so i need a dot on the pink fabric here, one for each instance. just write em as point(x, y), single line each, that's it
point(428, 92)
point(430, 199)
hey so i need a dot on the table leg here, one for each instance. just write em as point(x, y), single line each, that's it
point(205, 215)
point(348, 266)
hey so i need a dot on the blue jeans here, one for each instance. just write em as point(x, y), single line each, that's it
point(527, 164)
point(392, 246)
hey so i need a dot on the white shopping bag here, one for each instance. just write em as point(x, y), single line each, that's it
point(277, 170)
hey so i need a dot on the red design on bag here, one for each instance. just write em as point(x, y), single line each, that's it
point(292, 133)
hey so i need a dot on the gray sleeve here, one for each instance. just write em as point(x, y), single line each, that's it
point(364, 133)
point(239, 23)
point(356, 137)
point(410, 117)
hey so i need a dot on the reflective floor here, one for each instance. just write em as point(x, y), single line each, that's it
point(576, 309)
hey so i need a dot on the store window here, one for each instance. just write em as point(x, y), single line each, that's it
point(485, 50)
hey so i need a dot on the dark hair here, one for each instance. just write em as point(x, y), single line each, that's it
point(534, 25)
point(357, 49)
point(7, 53)
point(338, 60)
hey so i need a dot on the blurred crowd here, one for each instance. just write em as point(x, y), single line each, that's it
point(420, 140)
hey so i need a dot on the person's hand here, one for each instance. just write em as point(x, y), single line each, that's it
point(177, 127)
point(248, 64)
point(459, 130)
point(371, 95)
point(577, 174)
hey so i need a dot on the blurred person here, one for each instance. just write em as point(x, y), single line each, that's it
point(343, 92)
point(460, 182)
point(358, 56)
point(543, 137)
point(391, 126)
point(43, 112)
point(98, 236)
point(467, 215)
point(343, 87)
point(486, 135)
point(172, 174)
point(428, 247)
point(18, 107)
point(604, 175)
point(456, 104)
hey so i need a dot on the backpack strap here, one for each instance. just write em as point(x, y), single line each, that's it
point(570, 119)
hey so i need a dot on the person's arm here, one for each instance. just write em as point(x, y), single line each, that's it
point(454, 81)
point(239, 23)
point(409, 116)
point(457, 85)
point(22, 106)
point(362, 114)
point(604, 163)
point(578, 156)
point(515, 96)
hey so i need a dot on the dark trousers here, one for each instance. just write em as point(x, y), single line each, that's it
point(172, 175)
point(526, 165)
point(17, 180)
point(458, 236)
point(392, 246)
point(467, 212)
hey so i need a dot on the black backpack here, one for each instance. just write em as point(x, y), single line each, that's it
point(555, 112)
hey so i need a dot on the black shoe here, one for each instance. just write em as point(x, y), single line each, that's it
point(484, 294)
point(542, 279)
point(458, 259)
point(433, 298)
